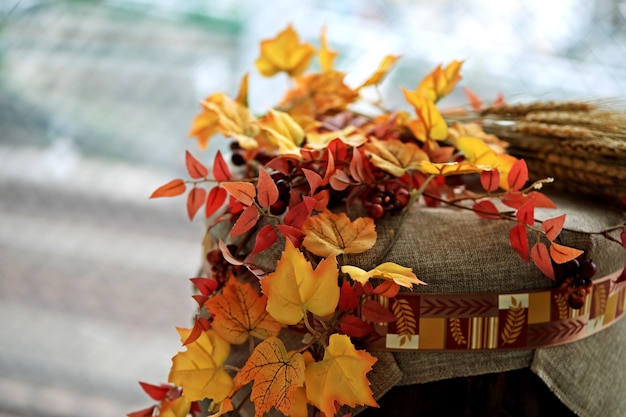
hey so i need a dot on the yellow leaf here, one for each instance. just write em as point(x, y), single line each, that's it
point(325, 55)
point(328, 234)
point(390, 271)
point(284, 53)
point(430, 123)
point(348, 135)
point(199, 369)
point(340, 377)
point(178, 407)
point(233, 119)
point(242, 94)
point(239, 312)
point(440, 81)
point(276, 376)
point(451, 168)
point(295, 288)
point(383, 68)
point(204, 126)
point(283, 131)
point(394, 156)
point(479, 153)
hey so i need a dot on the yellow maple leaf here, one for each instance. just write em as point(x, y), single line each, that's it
point(199, 369)
point(178, 407)
point(478, 152)
point(349, 135)
point(401, 275)
point(328, 234)
point(430, 123)
point(340, 377)
point(242, 94)
point(451, 168)
point(383, 69)
point(283, 131)
point(233, 119)
point(276, 375)
point(239, 312)
point(325, 55)
point(204, 126)
point(295, 288)
point(284, 53)
point(395, 156)
point(440, 81)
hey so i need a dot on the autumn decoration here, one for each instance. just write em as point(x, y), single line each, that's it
point(292, 196)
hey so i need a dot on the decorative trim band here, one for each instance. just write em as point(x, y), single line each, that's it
point(502, 321)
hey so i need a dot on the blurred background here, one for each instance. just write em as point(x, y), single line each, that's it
point(96, 98)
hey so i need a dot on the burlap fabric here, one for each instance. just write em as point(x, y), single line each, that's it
point(455, 251)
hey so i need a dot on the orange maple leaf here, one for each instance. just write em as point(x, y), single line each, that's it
point(394, 156)
point(295, 288)
point(276, 376)
point(199, 369)
point(239, 312)
point(440, 81)
point(340, 377)
point(328, 234)
point(226, 116)
point(284, 53)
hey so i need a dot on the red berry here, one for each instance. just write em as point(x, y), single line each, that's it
point(376, 211)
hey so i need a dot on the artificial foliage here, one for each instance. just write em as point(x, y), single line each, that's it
point(299, 192)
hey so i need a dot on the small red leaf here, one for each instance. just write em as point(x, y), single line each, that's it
point(215, 200)
point(473, 99)
point(526, 213)
point(322, 198)
point(220, 168)
point(541, 257)
point(330, 168)
point(200, 324)
point(171, 189)
point(314, 179)
point(514, 199)
point(267, 192)
point(297, 215)
point(340, 180)
point(486, 209)
point(541, 201)
point(561, 254)
point(347, 297)
point(294, 235)
point(146, 412)
point(195, 168)
point(490, 179)
point(242, 191)
point(359, 168)
point(623, 237)
point(156, 392)
point(195, 200)
point(206, 286)
point(387, 289)
point(246, 221)
point(519, 241)
point(552, 227)
point(338, 149)
point(354, 326)
point(266, 237)
point(375, 312)
point(518, 175)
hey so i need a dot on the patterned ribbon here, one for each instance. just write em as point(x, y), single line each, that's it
point(488, 321)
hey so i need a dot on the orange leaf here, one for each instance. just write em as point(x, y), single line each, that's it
point(552, 227)
point(313, 178)
point(540, 256)
point(246, 221)
point(239, 313)
point(475, 102)
point(199, 325)
point(561, 254)
point(194, 167)
point(331, 234)
point(359, 168)
point(519, 241)
point(541, 201)
point(394, 156)
point(284, 53)
point(325, 55)
point(340, 377)
point(514, 199)
point(171, 189)
point(242, 191)
point(276, 376)
point(215, 200)
point(242, 94)
point(490, 179)
point(486, 209)
point(146, 412)
point(295, 288)
point(267, 192)
point(387, 289)
point(220, 168)
point(430, 123)
point(518, 176)
point(526, 213)
point(440, 81)
point(195, 200)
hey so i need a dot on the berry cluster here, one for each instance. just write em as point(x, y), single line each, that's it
point(389, 197)
point(220, 267)
point(575, 278)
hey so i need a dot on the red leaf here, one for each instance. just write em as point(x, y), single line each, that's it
point(314, 179)
point(360, 169)
point(486, 209)
point(473, 99)
point(200, 324)
point(340, 180)
point(552, 227)
point(146, 412)
point(623, 237)
point(171, 189)
point(330, 168)
point(514, 199)
point(375, 312)
point(322, 198)
point(541, 201)
point(338, 149)
point(294, 235)
point(526, 213)
point(541, 257)
point(499, 101)
point(347, 297)
point(519, 241)
point(206, 286)
point(267, 192)
point(220, 168)
point(387, 289)
point(227, 255)
point(561, 254)
point(195, 200)
point(246, 221)
point(195, 168)
point(242, 191)
point(156, 392)
point(518, 175)
point(490, 179)
point(217, 197)
point(297, 215)
point(355, 327)
point(266, 237)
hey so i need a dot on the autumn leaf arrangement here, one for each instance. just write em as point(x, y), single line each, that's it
point(282, 309)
